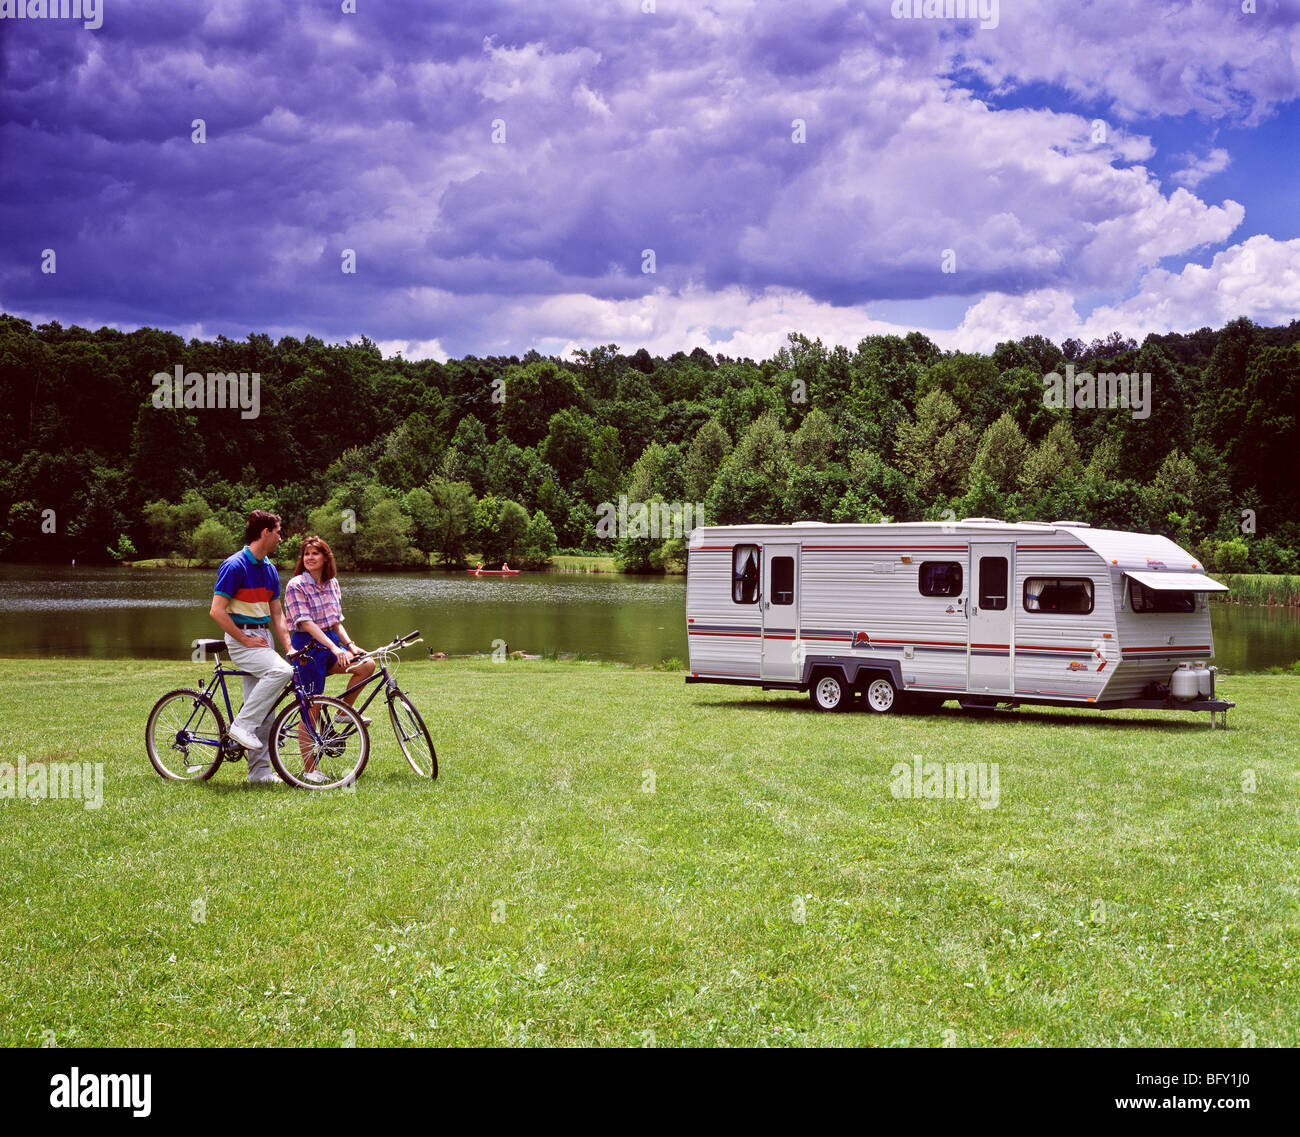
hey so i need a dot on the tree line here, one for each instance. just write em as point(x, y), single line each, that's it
point(405, 463)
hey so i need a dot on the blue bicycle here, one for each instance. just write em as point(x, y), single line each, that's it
point(317, 742)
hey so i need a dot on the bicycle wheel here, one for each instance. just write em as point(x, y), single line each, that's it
point(413, 736)
point(335, 747)
point(183, 736)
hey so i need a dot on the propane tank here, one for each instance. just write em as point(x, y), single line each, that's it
point(1183, 683)
point(1204, 681)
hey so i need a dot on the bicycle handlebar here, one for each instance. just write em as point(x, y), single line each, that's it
point(307, 650)
point(398, 641)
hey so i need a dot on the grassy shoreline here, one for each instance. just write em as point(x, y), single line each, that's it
point(593, 563)
point(1247, 589)
point(714, 865)
point(1273, 590)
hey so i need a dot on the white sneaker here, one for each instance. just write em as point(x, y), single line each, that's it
point(316, 777)
point(270, 778)
point(245, 738)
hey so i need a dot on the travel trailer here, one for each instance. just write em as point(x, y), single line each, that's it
point(980, 610)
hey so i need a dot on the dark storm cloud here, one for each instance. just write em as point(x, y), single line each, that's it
point(624, 131)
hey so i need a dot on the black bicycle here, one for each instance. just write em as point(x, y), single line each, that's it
point(412, 735)
point(317, 742)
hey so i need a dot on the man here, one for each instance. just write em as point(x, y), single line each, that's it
point(246, 606)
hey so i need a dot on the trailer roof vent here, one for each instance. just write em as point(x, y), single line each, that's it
point(984, 520)
point(1072, 524)
point(808, 523)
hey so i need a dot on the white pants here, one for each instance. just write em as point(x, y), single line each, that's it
point(267, 675)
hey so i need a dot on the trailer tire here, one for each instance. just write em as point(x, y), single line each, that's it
point(880, 695)
point(829, 692)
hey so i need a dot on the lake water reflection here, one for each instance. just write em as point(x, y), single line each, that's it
point(156, 613)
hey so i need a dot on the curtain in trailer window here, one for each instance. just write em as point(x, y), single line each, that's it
point(744, 574)
point(1072, 595)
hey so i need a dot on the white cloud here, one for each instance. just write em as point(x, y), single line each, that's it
point(1198, 169)
point(1201, 57)
point(412, 349)
point(1259, 278)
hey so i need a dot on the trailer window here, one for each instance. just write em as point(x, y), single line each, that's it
point(940, 578)
point(782, 582)
point(1072, 595)
point(1149, 600)
point(993, 583)
point(744, 574)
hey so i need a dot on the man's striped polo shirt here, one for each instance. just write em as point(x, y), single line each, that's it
point(250, 585)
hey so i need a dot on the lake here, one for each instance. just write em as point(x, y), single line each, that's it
point(113, 613)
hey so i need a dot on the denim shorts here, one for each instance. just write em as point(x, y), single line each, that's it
point(312, 671)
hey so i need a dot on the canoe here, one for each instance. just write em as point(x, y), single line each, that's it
point(493, 572)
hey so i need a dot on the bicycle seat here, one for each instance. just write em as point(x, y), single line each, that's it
point(211, 647)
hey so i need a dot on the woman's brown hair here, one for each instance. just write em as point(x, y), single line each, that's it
point(327, 570)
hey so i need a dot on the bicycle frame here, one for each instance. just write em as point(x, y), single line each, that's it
point(218, 679)
point(381, 677)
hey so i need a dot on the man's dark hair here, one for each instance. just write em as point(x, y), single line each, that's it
point(259, 520)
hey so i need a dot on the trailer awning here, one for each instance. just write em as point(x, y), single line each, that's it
point(1177, 581)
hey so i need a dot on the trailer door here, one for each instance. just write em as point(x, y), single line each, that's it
point(990, 657)
point(780, 608)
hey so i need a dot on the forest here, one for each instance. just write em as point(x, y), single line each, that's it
point(404, 463)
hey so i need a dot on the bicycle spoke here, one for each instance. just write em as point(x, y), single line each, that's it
point(413, 736)
point(183, 736)
point(328, 752)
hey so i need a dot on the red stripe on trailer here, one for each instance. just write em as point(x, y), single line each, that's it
point(925, 643)
point(1057, 548)
point(697, 632)
point(1170, 649)
point(891, 548)
point(1045, 647)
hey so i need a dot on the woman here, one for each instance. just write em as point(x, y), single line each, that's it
point(314, 608)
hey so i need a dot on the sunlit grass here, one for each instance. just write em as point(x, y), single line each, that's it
point(610, 853)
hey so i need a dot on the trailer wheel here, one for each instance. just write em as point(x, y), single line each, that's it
point(828, 692)
point(881, 696)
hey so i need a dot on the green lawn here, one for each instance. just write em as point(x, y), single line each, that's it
point(769, 890)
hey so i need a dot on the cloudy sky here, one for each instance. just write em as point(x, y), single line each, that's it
point(502, 168)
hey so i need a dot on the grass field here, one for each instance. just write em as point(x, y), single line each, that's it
point(613, 858)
